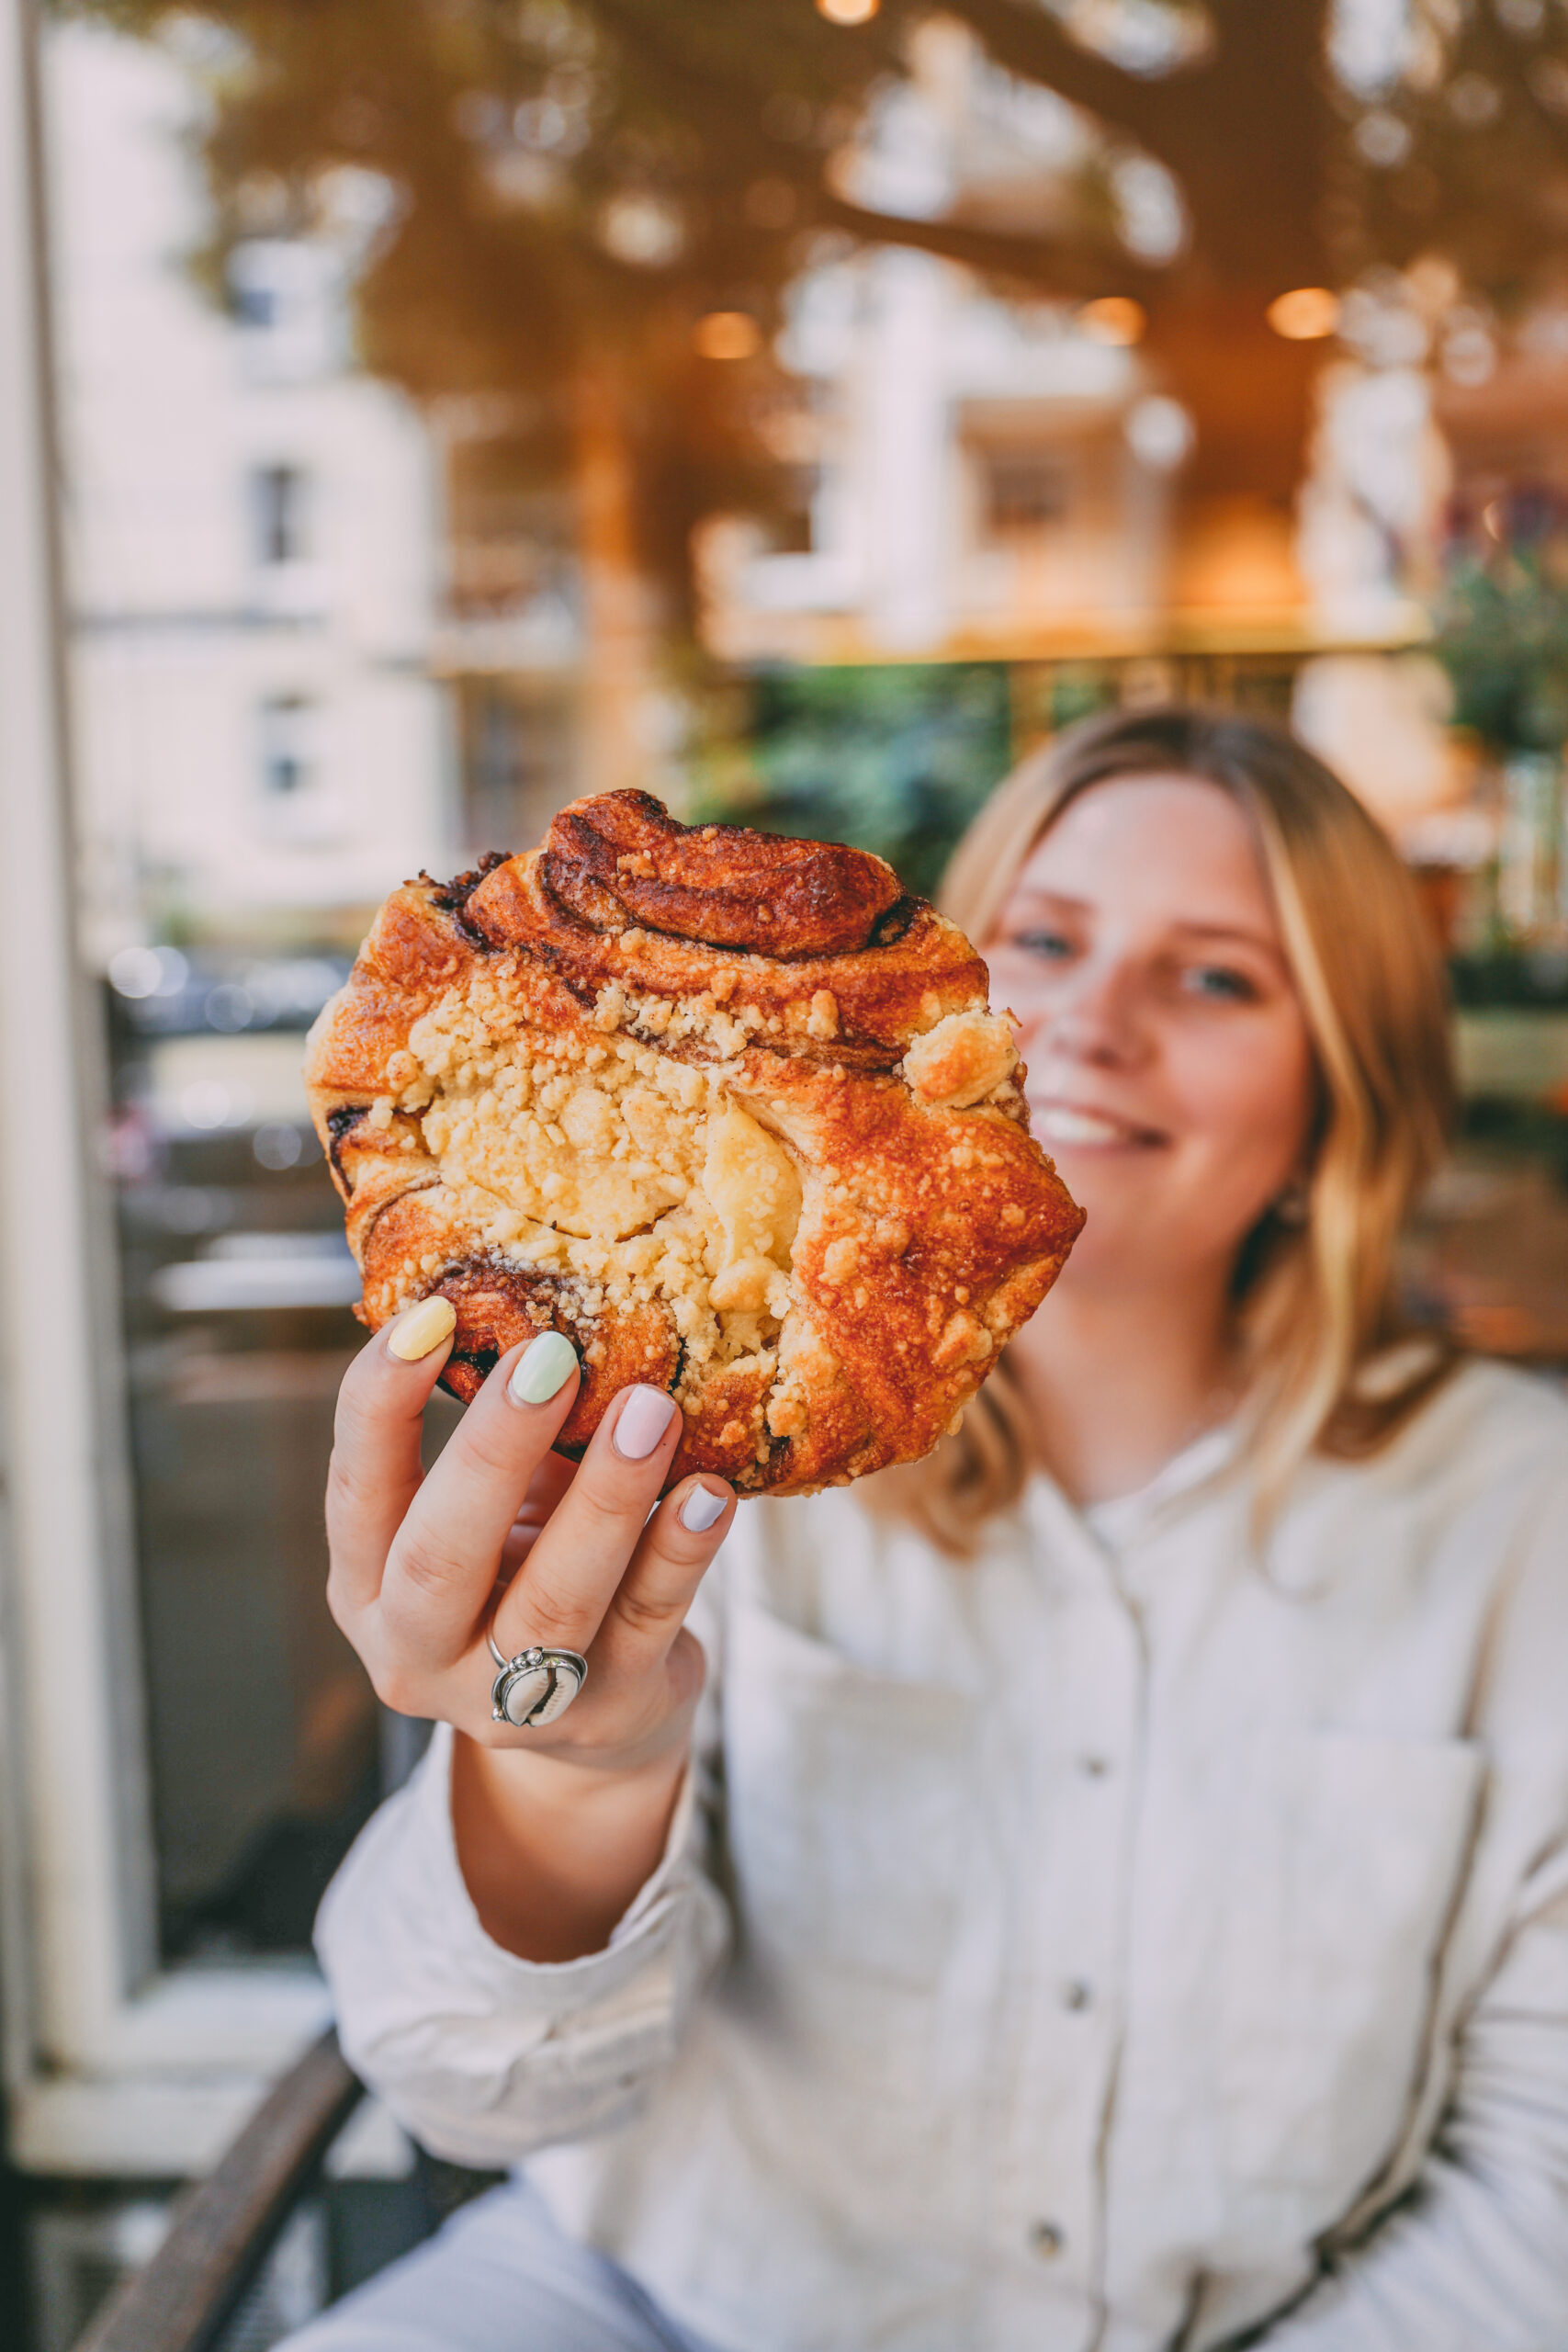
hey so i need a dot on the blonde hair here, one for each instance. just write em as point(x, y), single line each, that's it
point(1315, 1291)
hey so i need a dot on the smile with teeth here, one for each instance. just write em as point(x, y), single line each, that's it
point(1065, 1123)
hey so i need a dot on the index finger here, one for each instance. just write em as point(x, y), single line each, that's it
point(375, 1470)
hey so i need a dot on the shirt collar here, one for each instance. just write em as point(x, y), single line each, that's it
point(1113, 1527)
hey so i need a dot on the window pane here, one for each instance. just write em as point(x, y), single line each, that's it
point(278, 498)
point(260, 752)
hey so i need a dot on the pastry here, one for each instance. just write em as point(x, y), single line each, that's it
point(728, 1110)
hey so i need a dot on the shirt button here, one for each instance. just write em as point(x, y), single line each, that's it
point(1046, 2240)
point(1077, 1995)
point(1094, 1768)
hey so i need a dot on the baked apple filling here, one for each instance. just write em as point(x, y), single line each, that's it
point(599, 1158)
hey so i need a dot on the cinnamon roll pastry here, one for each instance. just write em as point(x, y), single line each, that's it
point(729, 1111)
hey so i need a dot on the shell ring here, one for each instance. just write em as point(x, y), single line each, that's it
point(535, 1687)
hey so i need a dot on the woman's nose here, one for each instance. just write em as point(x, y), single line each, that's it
point(1093, 1020)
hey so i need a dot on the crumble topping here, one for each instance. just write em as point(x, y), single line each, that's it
point(960, 1061)
point(606, 1161)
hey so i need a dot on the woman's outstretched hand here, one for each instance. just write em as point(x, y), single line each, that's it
point(558, 1825)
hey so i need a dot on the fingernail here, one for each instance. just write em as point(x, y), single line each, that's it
point(543, 1369)
point(700, 1509)
point(421, 1329)
point(645, 1417)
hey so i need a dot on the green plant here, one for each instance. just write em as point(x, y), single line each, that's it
point(897, 759)
point(1503, 637)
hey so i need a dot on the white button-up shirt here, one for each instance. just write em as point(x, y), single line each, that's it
point(1117, 1943)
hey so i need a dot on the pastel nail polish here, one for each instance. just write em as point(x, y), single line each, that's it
point(421, 1329)
point(543, 1369)
point(701, 1508)
point(644, 1419)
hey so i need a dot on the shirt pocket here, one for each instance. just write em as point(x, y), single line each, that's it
point(1342, 1882)
point(846, 1794)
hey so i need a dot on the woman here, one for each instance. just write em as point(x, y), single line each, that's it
point(1121, 1895)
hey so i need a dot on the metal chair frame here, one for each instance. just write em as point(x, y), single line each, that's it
point(224, 2226)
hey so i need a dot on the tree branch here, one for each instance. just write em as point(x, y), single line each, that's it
point(1243, 132)
point(1046, 267)
point(1029, 42)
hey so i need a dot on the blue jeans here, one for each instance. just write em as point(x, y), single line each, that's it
point(500, 2276)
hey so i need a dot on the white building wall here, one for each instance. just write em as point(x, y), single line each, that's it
point(902, 434)
point(182, 631)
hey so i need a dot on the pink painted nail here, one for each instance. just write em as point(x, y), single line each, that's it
point(644, 1419)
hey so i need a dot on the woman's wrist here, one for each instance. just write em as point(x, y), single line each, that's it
point(553, 1850)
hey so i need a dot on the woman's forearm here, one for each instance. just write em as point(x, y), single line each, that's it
point(553, 1853)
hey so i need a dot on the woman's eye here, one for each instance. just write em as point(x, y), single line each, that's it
point(1052, 945)
point(1219, 982)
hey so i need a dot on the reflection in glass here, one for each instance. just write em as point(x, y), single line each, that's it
point(260, 750)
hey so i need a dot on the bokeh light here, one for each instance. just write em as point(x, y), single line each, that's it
point(1305, 314)
point(1115, 319)
point(726, 334)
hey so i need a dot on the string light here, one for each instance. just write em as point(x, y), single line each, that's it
point(1305, 314)
point(1115, 318)
point(847, 12)
point(726, 334)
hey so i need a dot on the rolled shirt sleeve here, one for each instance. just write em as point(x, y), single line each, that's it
point(483, 2056)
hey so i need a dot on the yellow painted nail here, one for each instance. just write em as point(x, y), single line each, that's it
point(421, 1329)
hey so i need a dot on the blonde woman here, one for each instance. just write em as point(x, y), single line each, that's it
point(1111, 1887)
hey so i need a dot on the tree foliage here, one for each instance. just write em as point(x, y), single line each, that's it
point(1503, 626)
point(577, 183)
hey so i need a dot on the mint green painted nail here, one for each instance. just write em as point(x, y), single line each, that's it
point(543, 1369)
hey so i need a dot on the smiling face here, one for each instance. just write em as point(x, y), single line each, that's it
point(1170, 1071)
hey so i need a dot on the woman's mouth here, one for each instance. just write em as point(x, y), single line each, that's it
point(1070, 1126)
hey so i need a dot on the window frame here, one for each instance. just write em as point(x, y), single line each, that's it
point(113, 2063)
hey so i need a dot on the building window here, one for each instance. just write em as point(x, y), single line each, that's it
point(288, 748)
point(800, 487)
point(256, 303)
point(1025, 490)
point(287, 299)
point(278, 500)
point(518, 760)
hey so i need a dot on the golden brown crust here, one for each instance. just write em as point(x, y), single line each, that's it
point(882, 996)
point(548, 1096)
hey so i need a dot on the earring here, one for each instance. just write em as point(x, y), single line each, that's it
point(1290, 1207)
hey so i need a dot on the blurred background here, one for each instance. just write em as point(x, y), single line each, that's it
point(799, 407)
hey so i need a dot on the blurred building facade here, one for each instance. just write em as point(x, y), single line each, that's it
point(977, 478)
point(254, 532)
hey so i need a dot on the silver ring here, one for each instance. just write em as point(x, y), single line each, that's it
point(535, 1687)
